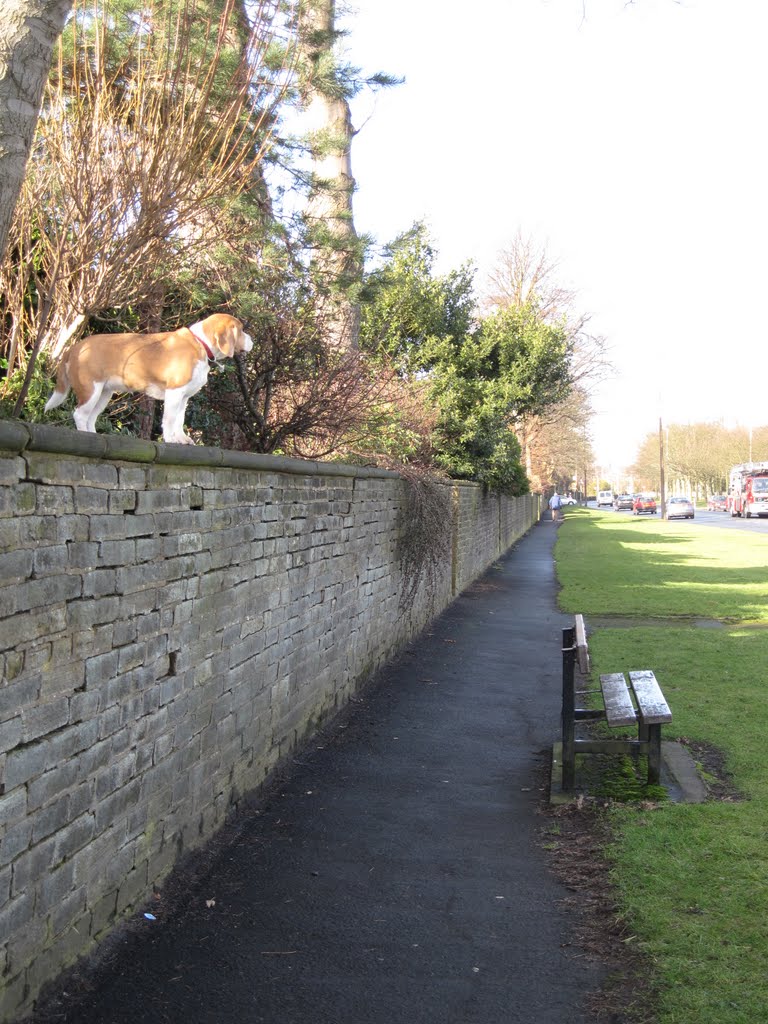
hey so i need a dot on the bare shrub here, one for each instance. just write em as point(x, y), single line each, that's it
point(425, 536)
point(135, 153)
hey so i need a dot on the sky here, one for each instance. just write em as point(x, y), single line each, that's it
point(628, 139)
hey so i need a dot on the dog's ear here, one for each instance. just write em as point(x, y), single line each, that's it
point(224, 337)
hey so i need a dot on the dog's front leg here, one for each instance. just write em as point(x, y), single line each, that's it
point(174, 410)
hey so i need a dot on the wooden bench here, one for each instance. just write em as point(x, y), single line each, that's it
point(639, 702)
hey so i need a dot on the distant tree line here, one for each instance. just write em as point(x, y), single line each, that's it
point(697, 456)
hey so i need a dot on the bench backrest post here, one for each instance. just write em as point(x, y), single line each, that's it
point(569, 704)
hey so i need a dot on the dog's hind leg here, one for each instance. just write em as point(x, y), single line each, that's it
point(85, 415)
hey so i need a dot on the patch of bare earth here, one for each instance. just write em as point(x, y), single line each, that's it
point(711, 762)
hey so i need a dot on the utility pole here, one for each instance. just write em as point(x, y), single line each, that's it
point(661, 471)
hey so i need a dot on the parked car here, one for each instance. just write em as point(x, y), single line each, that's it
point(644, 504)
point(680, 508)
point(623, 502)
point(604, 498)
point(717, 503)
point(568, 500)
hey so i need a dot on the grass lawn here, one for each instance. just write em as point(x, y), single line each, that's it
point(692, 879)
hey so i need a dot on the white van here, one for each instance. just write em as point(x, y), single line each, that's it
point(604, 498)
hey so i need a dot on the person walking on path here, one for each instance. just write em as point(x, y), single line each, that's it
point(555, 503)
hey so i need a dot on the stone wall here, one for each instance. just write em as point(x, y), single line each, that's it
point(174, 621)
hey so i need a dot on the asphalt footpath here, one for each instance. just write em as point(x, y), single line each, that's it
point(397, 875)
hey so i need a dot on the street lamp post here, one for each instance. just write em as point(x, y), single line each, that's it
point(661, 472)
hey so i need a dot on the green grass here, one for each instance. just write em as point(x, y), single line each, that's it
point(646, 567)
point(692, 879)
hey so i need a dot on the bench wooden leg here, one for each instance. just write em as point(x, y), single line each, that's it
point(569, 704)
point(654, 754)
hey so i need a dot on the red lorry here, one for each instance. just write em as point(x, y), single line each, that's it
point(748, 490)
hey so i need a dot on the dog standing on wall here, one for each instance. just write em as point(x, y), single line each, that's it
point(171, 366)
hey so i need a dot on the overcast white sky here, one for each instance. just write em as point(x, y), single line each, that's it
point(627, 138)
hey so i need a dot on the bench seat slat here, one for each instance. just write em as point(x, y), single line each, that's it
point(618, 702)
point(651, 704)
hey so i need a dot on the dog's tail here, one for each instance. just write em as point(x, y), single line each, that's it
point(62, 387)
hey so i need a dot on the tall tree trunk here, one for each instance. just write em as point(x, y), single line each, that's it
point(28, 32)
point(337, 246)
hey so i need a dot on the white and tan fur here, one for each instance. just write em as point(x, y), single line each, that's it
point(171, 366)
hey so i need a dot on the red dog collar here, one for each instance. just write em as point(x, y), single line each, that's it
point(205, 345)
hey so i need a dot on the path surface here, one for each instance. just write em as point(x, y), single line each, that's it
point(397, 876)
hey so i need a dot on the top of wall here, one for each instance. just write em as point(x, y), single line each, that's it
point(17, 436)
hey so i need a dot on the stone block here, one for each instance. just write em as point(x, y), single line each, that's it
point(25, 763)
point(96, 756)
point(17, 913)
point(181, 544)
point(115, 776)
point(31, 866)
point(120, 527)
point(71, 528)
point(80, 799)
point(117, 552)
point(92, 642)
point(11, 731)
point(147, 550)
point(71, 740)
point(12, 469)
point(48, 591)
point(15, 826)
point(131, 656)
point(18, 500)
point(134, 889)
point(122, 501)
point(138, 603)
point(160, 500)
point(133, 579)
point(100, 583)
point(51, 783)
point(10, 535)
point(61, 676)
point(83, 555)
point(90, 612)
point(54, 888)
point(16, 566)
point(54, 500)
point(14, 999)
point(101, 668)
point(103, 914)
point(132, 477)
point(125, 631)
point(160, 864)
point(50, 819)
point(74, 837)
point(91, 500)
point(115, 806)
point(42, 719)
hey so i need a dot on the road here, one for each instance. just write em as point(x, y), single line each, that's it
point(704, 518)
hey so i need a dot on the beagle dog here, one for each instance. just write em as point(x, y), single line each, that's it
point(172, 366)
